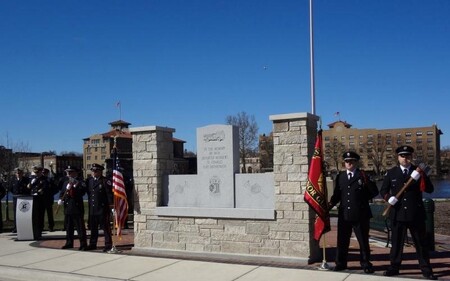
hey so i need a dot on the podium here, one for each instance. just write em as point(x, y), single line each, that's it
point(24, 218)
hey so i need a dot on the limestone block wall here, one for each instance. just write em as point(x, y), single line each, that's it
point(286, 239)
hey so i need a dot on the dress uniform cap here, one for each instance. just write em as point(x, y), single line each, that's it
point(37, 169)
point(405, 149)
point(70, 169)
point(17, 170)
point(350, 155)
point(97, 167)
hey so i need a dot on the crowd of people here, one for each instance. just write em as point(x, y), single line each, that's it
point(70, 189)
point(402, 189)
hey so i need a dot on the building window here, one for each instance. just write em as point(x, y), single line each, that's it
point(429, 133)
point(418, 133)
point(408, 134)
point(408, 141)
point(351, 137)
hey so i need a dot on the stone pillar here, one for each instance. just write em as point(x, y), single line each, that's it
point(152, 162)
point(294, 139)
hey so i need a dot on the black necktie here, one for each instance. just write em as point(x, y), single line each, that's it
point(350, 175)
point(405, 172)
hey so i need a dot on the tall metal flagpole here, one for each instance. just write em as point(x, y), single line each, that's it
point(311, 50)
point(324, 264)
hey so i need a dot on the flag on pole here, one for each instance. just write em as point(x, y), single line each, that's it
point(316, 191)
point(120, 196)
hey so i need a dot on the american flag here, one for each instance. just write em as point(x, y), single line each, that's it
point(120, 198)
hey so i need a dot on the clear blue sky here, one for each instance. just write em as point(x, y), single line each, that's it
point(186, 64)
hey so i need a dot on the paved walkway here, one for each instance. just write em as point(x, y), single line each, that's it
point(44, 260)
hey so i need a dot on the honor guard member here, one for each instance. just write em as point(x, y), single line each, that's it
point(353, 189)
point(2, 194)
point(49, 194)
point(407, 212)
point(19, 188)
point(100, 201)
point(71, 196)
point(38, 184)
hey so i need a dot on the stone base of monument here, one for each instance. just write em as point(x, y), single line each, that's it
point(224, 257)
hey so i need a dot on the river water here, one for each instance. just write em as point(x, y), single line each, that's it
point(441, 189)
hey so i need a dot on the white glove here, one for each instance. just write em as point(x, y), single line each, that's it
point(60, 202)
point(415, 175)
point(69, 186)
point(392, 200)
point(33, 181)
point(113, 211)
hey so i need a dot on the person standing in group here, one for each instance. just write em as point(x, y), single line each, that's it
point(38, 184)
point(353, 189)
point(407, 211)
point(2, 194)
point(19, 188)
point(48, 195)
point(100, 202)
point(71, 196)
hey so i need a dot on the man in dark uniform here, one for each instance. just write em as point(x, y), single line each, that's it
point(19, 188)
point(408, 211)
point(38, 184)
point(100, 202)
point(49, 194)
point(353, 189)
point(2, 194)
point(71, 196)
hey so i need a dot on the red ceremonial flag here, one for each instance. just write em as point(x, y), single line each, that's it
point(120, 199)
point(316, 191)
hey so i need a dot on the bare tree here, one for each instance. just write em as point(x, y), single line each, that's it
point(445, 156)
point(248, 134)
point(376, 152)
point(333, 154)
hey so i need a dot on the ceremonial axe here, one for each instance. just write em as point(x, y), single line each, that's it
point(422, 167)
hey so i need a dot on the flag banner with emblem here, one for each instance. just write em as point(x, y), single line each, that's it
point(316, 191)
point(120, 196)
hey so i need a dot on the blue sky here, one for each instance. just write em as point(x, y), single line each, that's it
point(186, 64)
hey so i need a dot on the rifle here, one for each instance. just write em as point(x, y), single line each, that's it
point(422, 167)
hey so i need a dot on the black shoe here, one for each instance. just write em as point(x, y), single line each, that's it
point(391, 272)
point(14, 230)
point(67, 246)
point(106, 249)
point(91, 248)
point(339, 268)
point(429, 276)
point(51, 230)
point(368, 270)
point(82, 248)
